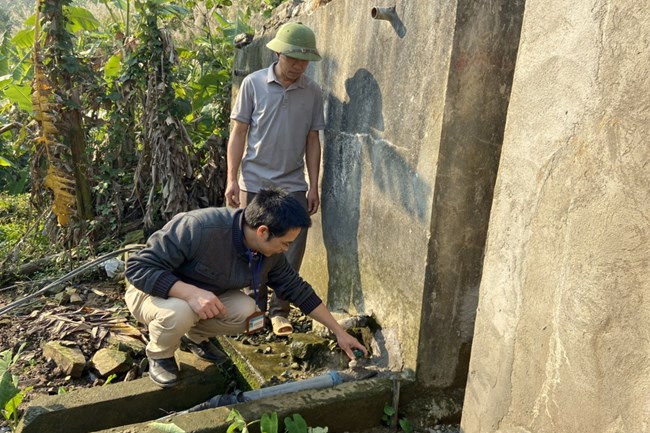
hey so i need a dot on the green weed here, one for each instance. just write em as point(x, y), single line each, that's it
point(269, 424)
point(389, 413)
point(11, 396)
point(19, 225)
point(109, 379)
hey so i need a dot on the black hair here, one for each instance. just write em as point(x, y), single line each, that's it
point(276, 209)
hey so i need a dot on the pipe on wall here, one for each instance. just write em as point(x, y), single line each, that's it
point(383, 13)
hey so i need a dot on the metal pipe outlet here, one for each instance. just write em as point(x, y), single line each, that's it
point(383, 13)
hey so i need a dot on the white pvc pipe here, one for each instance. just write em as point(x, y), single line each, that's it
point(323, 381)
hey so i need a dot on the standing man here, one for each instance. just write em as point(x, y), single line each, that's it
point(277, 118)
point(185, 285)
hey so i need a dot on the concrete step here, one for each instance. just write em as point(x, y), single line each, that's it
point(117, 404)
point(351, 406)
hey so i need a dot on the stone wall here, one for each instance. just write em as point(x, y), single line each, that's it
point(562, 339)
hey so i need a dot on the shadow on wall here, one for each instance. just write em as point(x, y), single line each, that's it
point(352, 136)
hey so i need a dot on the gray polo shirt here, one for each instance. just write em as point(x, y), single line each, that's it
point(279, 120)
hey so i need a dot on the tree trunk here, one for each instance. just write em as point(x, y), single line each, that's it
point(80, 164)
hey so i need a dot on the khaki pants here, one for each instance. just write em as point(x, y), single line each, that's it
point(169, 319)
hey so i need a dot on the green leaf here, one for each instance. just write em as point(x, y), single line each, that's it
point(237, 422)
point(5, 79)
point(30, 21)
point(16, 357)
point(4, 57)
point(12, 405)
point(20, 95)
point(389, 410)
point(8, 389)
point(18, 186)
point(24, 39)
point(5, 361)
point(405, 425)
point(120, 4)
point(23, 70)
point(176, 10)
point(296, 425)
point(5, 162)
point(113, 67)
point(109, 379)
point(220, 19)
point(269, 424)
point(182, 106)
point(167, 428)
point(80, 19)
point(213, 83)
point(214, 78)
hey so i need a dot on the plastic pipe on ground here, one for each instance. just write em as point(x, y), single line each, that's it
point(323, 381)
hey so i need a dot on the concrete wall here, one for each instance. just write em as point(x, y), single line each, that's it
point(484, 50)
point(415, 113)
point(562, 340)
point(385, 90)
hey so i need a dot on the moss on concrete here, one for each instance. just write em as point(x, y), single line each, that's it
point(257, 367)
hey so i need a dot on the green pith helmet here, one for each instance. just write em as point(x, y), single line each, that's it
point(295, 40)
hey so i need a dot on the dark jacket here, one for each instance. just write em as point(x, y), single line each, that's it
point(205, 247)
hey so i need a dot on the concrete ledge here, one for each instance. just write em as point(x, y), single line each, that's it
point(92, 409)
point(351, 406)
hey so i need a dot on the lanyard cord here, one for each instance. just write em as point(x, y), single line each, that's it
point(256, 275)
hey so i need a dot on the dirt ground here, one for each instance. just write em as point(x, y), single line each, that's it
point(85, 314)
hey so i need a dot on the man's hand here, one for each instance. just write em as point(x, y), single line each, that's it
point(347, 343)
point(232, 194)
point(203, 302)
point(313, 201)
point(207, 305)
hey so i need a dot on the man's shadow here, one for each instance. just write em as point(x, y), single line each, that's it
point(350, 126)
point(353, 143)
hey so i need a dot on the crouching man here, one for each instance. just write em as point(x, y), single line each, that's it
point(185, 285)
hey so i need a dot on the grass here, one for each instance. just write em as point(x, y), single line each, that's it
point(16, 218)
